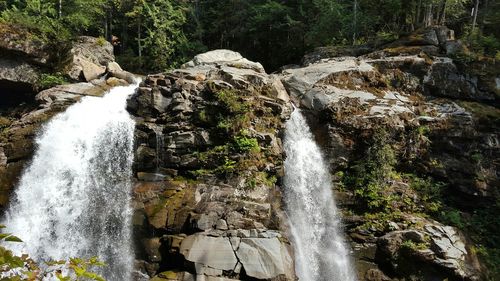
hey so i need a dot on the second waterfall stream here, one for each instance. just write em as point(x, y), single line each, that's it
point(321, 253)
point(73, 200)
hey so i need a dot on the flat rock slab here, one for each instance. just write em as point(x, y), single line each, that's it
point(264, 258)
point(215, 252)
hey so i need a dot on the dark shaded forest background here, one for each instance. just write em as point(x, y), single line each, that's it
point(156, 35)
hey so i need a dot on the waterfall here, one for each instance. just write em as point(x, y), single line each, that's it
point(321, 253)
point(73, 200)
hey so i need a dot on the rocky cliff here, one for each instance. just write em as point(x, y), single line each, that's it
point(412, 138)
point(208, 158)
point(410, 130)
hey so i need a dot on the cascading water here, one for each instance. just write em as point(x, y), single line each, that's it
point(320, 250)
point(74, 198)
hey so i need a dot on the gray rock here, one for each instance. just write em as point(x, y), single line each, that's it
point(151, 176)
point(264, 258)
point(113, 66)
point(207, 221)
point(454, 47)
point(225, 57)
point(202, 269)
point(152, 247)
point(69, 92)
point(221, 225)
point(95, 50)
point(215, 252)
point(21, 44)
point(444, 34)
point(125, 75)
point(18, 73)
point(89, 58)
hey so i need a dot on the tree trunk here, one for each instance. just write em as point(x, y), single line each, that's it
point(124, 35)
point(483, 14)
point(428, 16)
point(419, 8)
point(60, 9)
point(110, 25)
point(442, 14)
point(474, 17)
point(405, 8)
point(354, 22)
point(139, 47)
point(106, 26)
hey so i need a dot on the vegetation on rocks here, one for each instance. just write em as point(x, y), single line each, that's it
point(386, 192)
point(50, 80)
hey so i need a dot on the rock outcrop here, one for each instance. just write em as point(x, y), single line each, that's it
point(89, 58)
point(23, 60)
point(390, 119)
point(26, 61)
point(208, 154)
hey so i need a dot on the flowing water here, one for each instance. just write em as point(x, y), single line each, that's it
point(73, 200)
point(321, 253)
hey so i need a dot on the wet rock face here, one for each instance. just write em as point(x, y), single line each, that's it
point(23, 111)
point(208, 154)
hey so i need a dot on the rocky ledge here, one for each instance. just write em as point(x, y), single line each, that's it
point(208, 163)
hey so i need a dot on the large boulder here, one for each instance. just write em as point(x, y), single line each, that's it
point(89, 58)
point(18, 42)
point(224, 57)
point(17, 80)
point(264, 258)
point(214, 252)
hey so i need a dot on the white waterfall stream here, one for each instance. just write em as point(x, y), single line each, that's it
point(321, 253)
point(73, 200)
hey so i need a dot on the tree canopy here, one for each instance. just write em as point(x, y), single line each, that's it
point(161, 34)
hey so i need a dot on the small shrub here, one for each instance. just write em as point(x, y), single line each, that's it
point(429, 191)
point(230, 100)
point(246, 144)
point(227, 167)
point(101, 41)
point(413, 246)
point(452, 217)
point(24, 268)
point(50, 80)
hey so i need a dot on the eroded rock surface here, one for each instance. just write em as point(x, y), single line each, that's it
point(207, 158)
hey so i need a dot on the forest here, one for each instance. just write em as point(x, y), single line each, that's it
point(156, 35)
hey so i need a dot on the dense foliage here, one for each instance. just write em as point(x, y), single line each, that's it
point(159, 34)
